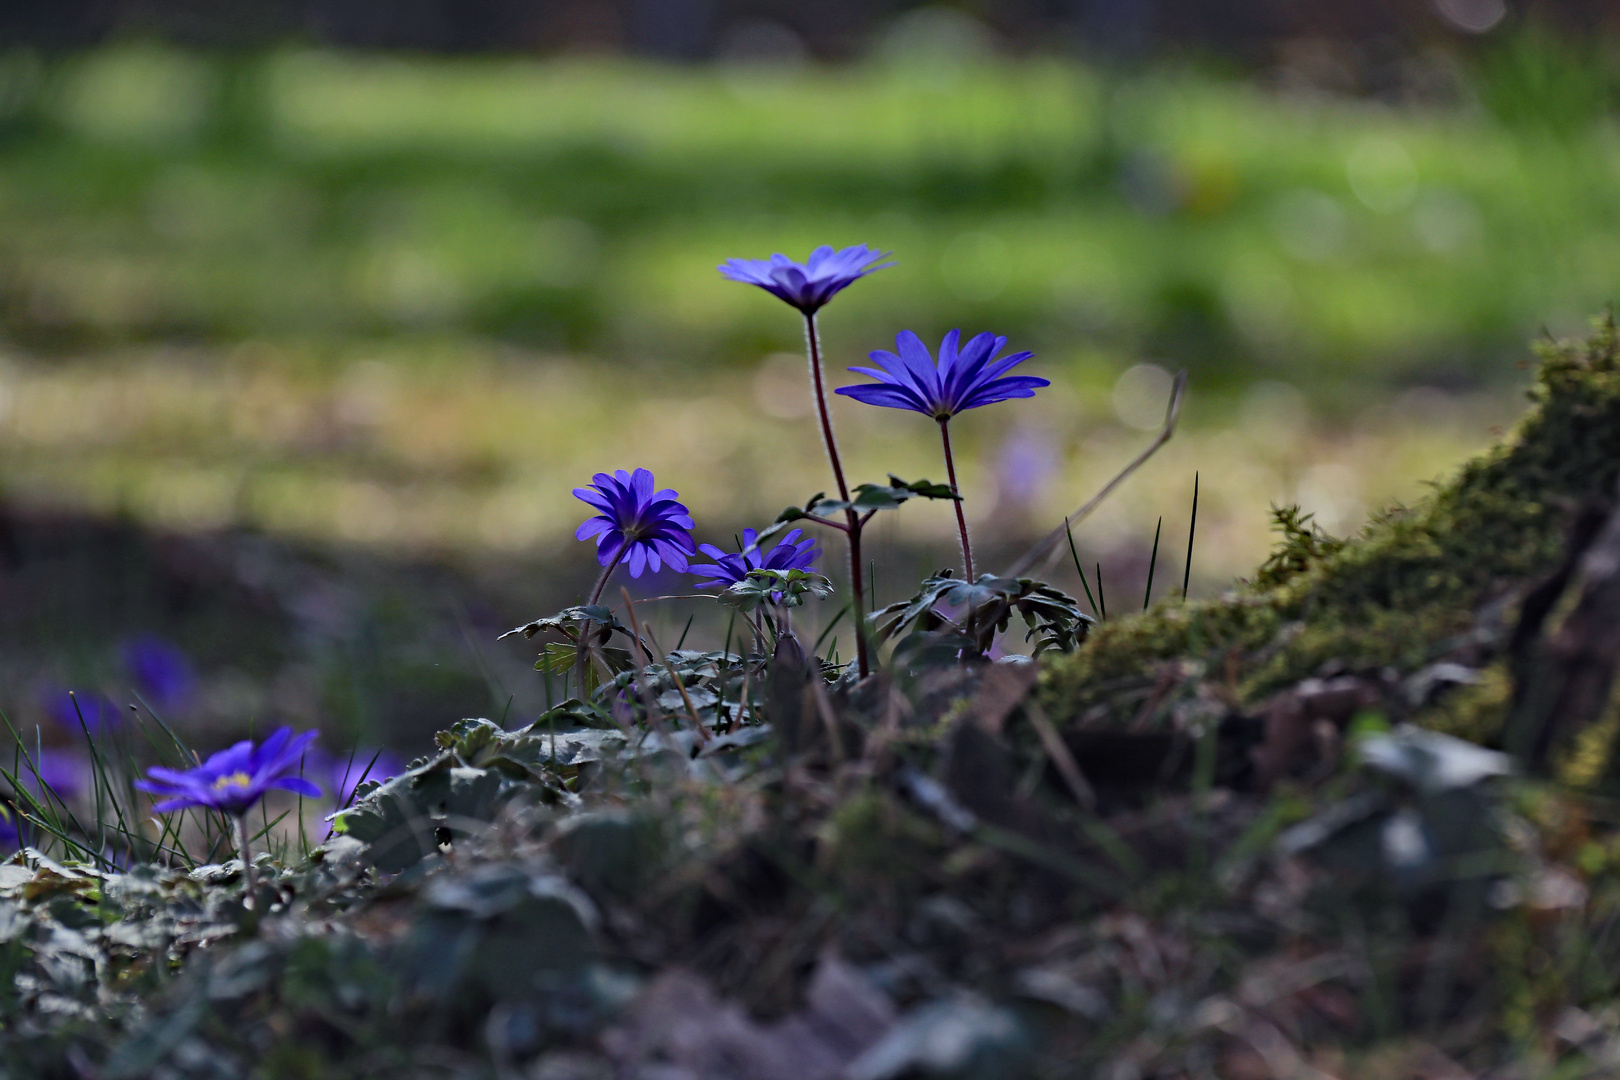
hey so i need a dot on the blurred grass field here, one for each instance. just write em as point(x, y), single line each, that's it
point(402, 299)
point(404, 304)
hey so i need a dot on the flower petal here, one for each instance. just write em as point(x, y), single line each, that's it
point(887, 397)
point(298, 785)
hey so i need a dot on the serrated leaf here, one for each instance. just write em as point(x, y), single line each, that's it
point(569, 621)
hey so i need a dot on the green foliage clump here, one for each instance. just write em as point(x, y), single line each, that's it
point(1304, 543)
point(1414, 580)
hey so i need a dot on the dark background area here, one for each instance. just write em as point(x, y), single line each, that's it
point(1252, 31)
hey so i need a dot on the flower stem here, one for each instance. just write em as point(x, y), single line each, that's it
point(583, 654)
point(961, 518)
point(853, 520)
point(607, 572)
point(245, 849)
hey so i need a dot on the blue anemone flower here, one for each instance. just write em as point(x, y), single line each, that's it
point(730, 567)
point(810, 284)
point(961, 380)
point(637, 525)
point(161, 672)
point(233, 780)
point(66, 708)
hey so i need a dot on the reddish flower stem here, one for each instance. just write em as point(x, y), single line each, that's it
point(852, 520)
point(584, 651)
point(607, 572)
point(961, 518)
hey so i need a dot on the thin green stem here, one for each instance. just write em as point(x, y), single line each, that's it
point(853, 521)
point(961, 516)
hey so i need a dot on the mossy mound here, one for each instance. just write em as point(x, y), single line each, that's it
point(1410, 588)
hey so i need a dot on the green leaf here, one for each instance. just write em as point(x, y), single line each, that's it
point(869, 498)
point(570, 621)
point(787, 588)
point(399, 821)
point(1054, 618)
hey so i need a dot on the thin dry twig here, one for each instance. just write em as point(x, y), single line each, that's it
point(1064, 761)
point(1047, 546)
point(635, 628)
point(646, 692)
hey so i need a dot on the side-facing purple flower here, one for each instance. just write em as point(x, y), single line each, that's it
point(637, 525)
point(160, 671)
point(343, 772)
point(961, 380)
point(66, 772)
point(730, 567)
point(233, 780)
point(810, 284)
point(66, 707)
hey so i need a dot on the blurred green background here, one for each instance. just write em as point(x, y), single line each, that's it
point(302, 349)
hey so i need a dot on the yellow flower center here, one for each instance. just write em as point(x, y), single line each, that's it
point(232, 780)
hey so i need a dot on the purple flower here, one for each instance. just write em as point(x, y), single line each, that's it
point(810, 284)
point(342, 772)
point(728, 568)
point(960, 381)
point(638, 525)
point(233, 780)
point(65, 707)
point(161, 673)
point(9, 836)
point(66, 772)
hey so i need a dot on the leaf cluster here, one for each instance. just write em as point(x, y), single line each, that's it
point(1053, 618)
point(586, 627)
point(785, 588)
point(868, 500)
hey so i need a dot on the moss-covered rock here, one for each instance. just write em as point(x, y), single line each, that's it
point(1404, 591)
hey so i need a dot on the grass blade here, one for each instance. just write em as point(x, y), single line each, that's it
point(1152, 563)
point(1075, 555)
point(1101, 599)
point(829, 628)
point(1192, 531)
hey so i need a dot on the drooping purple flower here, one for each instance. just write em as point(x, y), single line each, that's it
point(810, 284)
point(65, 707)
point(161, 673)
point(730, 567)
point(233, 780)
point(637, 525)
point(961, 380)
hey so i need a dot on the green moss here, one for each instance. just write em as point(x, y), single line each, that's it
point(1399, 593)
point(1476, 712)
